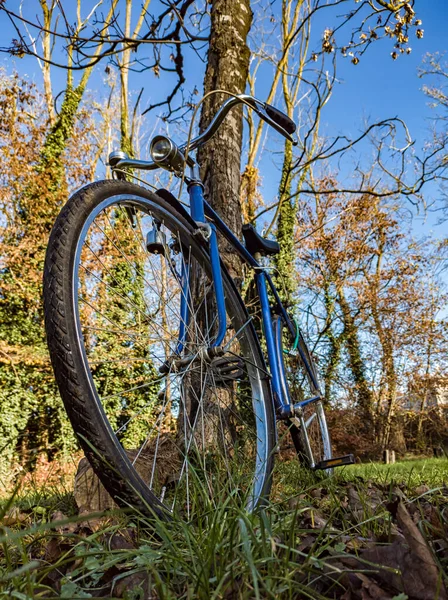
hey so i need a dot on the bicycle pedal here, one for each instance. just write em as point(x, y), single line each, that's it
point(226, 369)
point(340, 461)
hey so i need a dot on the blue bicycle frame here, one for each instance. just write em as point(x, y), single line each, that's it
point(200, 211)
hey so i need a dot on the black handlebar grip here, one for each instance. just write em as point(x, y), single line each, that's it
point(280, 118)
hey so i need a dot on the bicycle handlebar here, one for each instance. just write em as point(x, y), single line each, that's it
point(271, 115)
point(274, 117)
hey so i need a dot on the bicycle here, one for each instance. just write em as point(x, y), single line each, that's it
point(157, 359)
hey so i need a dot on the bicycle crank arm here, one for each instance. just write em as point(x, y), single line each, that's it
point(340, 461)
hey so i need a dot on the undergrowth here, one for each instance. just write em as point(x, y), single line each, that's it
point(316, 539)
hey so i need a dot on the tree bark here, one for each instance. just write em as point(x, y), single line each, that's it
point(45, 66)
point(385, 339)
point(335, 342)
point(227, 69)
point(125, 138)
point(387, 348)
point(284, 260)
point(220, 164)
point(357, 366)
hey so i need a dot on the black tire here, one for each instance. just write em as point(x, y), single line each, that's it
point(69, 356)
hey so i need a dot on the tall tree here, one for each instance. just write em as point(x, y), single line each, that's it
point(28, 398)
point(227, 69)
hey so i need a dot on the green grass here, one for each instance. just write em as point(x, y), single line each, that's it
point(291, 550)
point(432, 472)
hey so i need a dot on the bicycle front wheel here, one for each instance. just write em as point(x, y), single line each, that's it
point(166, 420)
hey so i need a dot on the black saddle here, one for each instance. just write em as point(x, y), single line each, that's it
point(254, 242)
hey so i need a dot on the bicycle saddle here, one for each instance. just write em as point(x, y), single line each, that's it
point(254, 242)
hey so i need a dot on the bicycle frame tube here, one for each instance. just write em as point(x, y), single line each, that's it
point(200, 210)
point(281, 398)
point(218, 287)
point(197, 203)
point(184, 304)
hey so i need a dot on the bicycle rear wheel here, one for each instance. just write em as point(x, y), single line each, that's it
point(166, 421)
point(308, 428)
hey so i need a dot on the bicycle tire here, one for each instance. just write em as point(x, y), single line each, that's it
point(69, 349)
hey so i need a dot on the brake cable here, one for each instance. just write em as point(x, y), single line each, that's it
point(296, 341)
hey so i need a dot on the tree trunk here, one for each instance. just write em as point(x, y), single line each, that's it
point(284, 260)
point(125, 138)
point(386, 341)
point(356, 360)
point(220, 164)
point(389, 372)
point(227, 69)
point(335, 342)
point(45, 66)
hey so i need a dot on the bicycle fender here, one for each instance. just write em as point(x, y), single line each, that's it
point(174, 203)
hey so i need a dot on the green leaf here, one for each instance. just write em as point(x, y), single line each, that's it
point(70, 589)
point(92, 563)
point(19, 595)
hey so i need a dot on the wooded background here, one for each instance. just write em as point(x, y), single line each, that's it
point(368, 293)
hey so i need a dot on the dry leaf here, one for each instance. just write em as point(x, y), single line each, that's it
point(314, 519)
point(306, 543)
point(121, 541)
point(422, 561)
point(14, 517)
point(131, 582)
point(411, 566)
point(66, 527)
point(421, 489)
point(364, 588)
point(316, 493)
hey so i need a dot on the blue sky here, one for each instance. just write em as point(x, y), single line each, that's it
point(380, 87)
point(377, 88)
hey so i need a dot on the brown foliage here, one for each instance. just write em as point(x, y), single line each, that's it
point(349, 434)
point(33, 188)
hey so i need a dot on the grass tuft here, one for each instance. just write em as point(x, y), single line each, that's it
point(319, 538)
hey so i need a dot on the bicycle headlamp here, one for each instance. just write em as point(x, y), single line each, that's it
point(166, 154)
point(160, 148)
